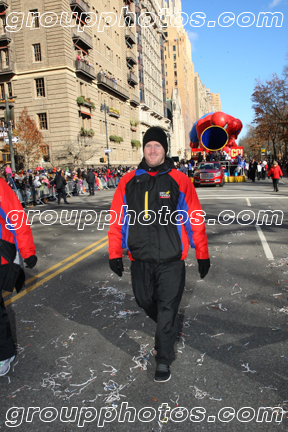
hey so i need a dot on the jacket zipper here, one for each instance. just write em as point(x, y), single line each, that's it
point(146, 205)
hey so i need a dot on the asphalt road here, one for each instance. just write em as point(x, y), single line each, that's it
point(82, 338)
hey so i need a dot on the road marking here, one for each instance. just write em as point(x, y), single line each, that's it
point(265, 245)
point(6, 293)
point(248, 202)
point(58, 264)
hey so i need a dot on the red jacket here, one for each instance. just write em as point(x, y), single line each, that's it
point(11, 212)
point(275, 172)
point(140, 192)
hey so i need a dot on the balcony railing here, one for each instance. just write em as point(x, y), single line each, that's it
point(7, 69)
point(80, 4)
point(82, 38)
point(5, 36)
point(80, 66)
point(129, 36)
point(131, 57)
point(111, 85)
point(129, 17)
point(132, 78)
point(134, 99)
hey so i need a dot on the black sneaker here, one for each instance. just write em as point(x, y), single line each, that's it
point(162, 373)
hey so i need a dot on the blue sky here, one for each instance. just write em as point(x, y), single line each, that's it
point(230, 59)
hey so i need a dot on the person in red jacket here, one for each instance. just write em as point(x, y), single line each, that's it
point(275, 173)
point(158, 215)
point(15, 235)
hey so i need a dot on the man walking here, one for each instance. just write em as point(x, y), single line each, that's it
point(90, 178)
point(156, 208)
point(60, 184)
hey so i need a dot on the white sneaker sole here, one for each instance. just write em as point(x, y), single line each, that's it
point(163, 380)
point(8, 366)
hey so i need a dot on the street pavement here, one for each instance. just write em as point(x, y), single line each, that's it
point(85, 349)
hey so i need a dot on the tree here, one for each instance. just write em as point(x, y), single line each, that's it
point(31, 145)
point(270, 103)
point(77, 152)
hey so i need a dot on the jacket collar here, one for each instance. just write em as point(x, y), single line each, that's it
point(167, 165)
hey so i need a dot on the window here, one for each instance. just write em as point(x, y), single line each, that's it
point(2, 91)
point(175, 82)
point(37, 52)
point(174, 47)
point(40, 90)
point(35, 18)
point(42, 120)
point(6, 57)
point(9, 85)
point(175, 73)
point(174, 57)
point(175, 65)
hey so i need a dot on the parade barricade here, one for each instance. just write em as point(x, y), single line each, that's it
point(69, 188)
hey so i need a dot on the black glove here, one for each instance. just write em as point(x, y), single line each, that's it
point(116, 264)
point(31, 261)
point(203, 267)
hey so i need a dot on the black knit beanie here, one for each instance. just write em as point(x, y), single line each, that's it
point(156, 134)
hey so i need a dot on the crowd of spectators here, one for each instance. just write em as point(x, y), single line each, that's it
point(110, 77)
point(84, 60)
point(31, 182)
point(236, 166)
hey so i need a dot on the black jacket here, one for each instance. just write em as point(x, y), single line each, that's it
point(60, 182)
point(90, 178)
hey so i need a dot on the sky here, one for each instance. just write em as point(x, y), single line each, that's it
point(230, 59)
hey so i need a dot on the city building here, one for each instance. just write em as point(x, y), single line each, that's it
point(216, 101)
point(150, 46)
point(177, 131)
point(64, 69)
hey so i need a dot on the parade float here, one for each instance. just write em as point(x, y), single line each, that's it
point(216, 132)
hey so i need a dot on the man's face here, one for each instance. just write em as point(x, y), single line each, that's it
point(154, 154)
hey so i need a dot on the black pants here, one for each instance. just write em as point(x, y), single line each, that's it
point(158, 289)
point(63, 193)
point(91, 188)
point(7, 348)
point(275, 184)
point(259, 175)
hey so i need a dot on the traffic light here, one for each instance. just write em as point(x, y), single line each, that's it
point(103, 159)
point(11, 114)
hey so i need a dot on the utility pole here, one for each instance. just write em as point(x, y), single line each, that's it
point(8, 121)
point(105, 108)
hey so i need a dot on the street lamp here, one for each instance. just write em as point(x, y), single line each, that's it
point(105, 108)
point(8, 122)
point(169, 140)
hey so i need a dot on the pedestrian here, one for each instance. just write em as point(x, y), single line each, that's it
point(13, 238)
point(199, 157)
point(259, 170)
point(252, 170)
point(157, 249)
point(90, 178)
point(60, 184)
point(275, 173)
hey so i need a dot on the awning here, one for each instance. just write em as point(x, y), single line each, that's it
point(81, 49)
point(86, 113)
point(76, 16)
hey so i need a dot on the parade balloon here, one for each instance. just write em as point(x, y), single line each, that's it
point(215, 131)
